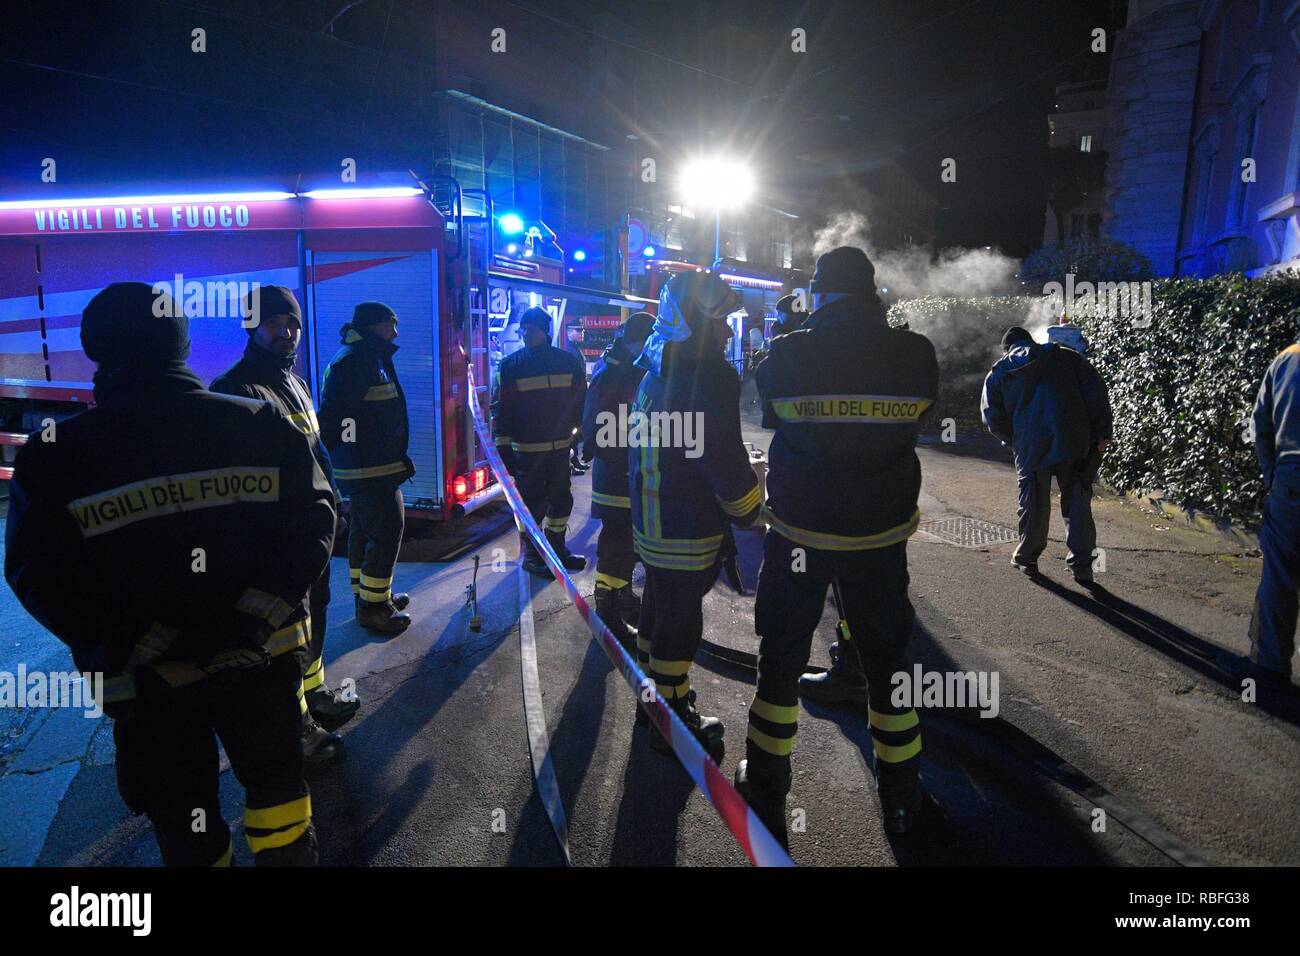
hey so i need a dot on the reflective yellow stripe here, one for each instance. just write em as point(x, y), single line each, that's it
point(315, 667)
point(669, 668)
point(224, 859)
point(269, 607)
point(377, 584)
point(860, 409)
point(315, 676)
point(381, 393)
point(679, 545)
point(537, 446)
point(305, 422)
point(678, 562)
point(503, 440)
point(642, 643)
point(289, 638)
point(776, 713)
point(780, 746)
point(555, 524)
point(280, 815)
point(823, 541)
point(610, 501)
point(898, 754)
point(669, 691)
point(374, 471)
point(277, 839)
point(742, 505)
point(153, 645)
point(892, 722)
point(533, 383)
point(302, 703)
point(173, 494)
point(604, 580)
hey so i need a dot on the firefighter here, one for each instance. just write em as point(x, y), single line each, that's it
point(536, 412)
point(609, 400)
point(690, 480)
point(363, 424)
point(1050, 405)
point(266, 373)
point(845, 395)
point(1277, 445)
point(169, 537)
point(789, 319)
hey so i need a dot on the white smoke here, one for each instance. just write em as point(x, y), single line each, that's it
point(915, 271)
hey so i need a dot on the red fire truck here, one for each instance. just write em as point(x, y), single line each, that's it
point(400, 240)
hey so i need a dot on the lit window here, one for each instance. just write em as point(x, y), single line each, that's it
point(1085, 144)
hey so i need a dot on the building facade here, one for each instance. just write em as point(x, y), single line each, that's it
point(1204, 130)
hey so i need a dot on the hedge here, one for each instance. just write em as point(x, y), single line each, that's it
point(1182, 389)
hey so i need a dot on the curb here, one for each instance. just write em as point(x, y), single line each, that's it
point(1154, 499)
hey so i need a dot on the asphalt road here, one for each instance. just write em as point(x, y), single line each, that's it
point(1135, 692)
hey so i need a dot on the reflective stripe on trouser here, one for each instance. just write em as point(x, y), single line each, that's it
point(615, 555)
point(672, 622)
point(1273, 624)
point(1035, 510)
point(277, 825)
point(168, 764)
point(788, 607)
point(374, 539)
point(543, 482)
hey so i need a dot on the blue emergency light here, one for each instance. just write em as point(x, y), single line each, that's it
point(511, 224)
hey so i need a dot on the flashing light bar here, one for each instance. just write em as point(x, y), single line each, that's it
point(149, 200)
point(376, 192)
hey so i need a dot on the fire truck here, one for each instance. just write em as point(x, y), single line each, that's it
point(428, 248)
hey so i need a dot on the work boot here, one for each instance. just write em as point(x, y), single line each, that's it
point(401, 600)
point(629, 604)
point(765, 791)
point(902, 800)
point(844, 683)
point(318, 744)
point(707, 730)
point(571, 561)
point(643, 719)
point(382, 617)
point(329, 709)
point(608, 609)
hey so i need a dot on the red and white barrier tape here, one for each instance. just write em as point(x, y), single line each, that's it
point(759, 845)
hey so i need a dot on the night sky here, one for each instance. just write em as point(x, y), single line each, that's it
point(99, 87)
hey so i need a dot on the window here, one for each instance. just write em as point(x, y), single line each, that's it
point(1085, 144)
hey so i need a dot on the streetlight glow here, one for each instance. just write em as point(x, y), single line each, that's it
point(717, 183)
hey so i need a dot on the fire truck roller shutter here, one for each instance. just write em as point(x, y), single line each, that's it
point(408, 283)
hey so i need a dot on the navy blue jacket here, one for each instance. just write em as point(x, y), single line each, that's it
point(1048, 404)
point(1277, 416)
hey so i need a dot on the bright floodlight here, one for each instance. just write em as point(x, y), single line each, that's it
point(717, 183)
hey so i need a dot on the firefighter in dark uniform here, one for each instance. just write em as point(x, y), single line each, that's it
point(266, 373)
point(845, 394)
point(169, 537)
point(789, 320)
point(609, 400)
point(536, 413)
point(687, 488)
point(363, 424)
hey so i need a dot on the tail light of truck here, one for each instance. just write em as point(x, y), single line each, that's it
point(463, 486)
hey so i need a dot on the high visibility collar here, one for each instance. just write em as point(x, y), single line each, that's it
point(359, 338)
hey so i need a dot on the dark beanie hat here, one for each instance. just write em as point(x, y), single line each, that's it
point(129, 325)
point(637, 326)
point(1014, 335)
point(271, 300)
point(367, 314)
point(785, 304)
point(536, 316)
point(845, 269)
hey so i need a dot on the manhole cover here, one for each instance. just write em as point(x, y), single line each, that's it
point(967, 532)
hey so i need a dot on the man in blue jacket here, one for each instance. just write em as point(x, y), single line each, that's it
point(1051, 407)
point(1277, 445)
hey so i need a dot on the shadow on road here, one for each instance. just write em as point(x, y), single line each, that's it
point(1195, 653)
